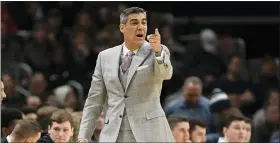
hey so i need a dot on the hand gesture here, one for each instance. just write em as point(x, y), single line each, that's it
point(154, 40)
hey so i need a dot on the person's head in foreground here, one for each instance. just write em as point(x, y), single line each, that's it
point(192, 91)
point(234, 129)
point(25, 131)
point(133, 25)
point(3, 94)
point(197, 131)
point(180, 128)
point(61, 126)
point(9, 119)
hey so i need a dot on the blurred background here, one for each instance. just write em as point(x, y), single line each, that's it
point(49, 49)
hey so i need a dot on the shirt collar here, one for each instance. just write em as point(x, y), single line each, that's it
point(126, 50)
point(8, 139)
point(222, 140)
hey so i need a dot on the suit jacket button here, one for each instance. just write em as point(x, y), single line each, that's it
point(120, 116)
point(125, 96)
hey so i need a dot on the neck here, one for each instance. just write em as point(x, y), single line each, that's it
point(131, 46)
point(12, 139)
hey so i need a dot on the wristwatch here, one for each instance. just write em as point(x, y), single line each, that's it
point(158, 52)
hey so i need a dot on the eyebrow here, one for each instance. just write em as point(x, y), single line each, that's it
point(144, 19)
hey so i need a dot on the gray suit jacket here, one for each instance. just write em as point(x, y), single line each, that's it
point(141, 96)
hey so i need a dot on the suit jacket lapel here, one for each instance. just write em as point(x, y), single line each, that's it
point(115, 63)
point(136, 61)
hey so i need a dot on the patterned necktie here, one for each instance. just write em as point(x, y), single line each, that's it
point(127, 61)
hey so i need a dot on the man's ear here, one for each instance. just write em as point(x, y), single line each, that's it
point(122, 28)
point(72, 132)
point(224, 130)
point(29, 140)
point(49, 128)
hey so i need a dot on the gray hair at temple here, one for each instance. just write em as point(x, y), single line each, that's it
point(131, 10)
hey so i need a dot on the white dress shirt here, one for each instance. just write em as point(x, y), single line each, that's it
point(8, 139)
point(222, 140)
point(126, 50)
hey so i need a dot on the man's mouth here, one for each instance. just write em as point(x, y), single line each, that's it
point(140, 35)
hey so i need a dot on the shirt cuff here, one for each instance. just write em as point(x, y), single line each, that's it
point(160, 58)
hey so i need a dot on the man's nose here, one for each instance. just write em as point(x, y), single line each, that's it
point(140, 26)
point(60, 133)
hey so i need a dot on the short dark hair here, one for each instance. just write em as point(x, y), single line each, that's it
point(128, 11)
point(231, 118)
point(195, 122)
point(248, 120)
point(61, 116)
point(44, 114)
point(29, 111)
point(25, 129)
point(173, 120)
point(9, 115)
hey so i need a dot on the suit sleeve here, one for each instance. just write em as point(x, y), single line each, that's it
point(94, 103)
point(163, 67)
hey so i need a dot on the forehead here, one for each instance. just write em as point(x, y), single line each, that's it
point(65, 124)
point(136, 16)
point(183, 125)
point(199, 128)
point(234, 123)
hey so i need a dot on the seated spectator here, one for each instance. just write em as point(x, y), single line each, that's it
point(197, 131)
point(9, 118)
point(15, 99)
point(235, 84)
point(266, 120)
point(33, 102)
point(3, 94)
point(27, 131)
point(67, 97)
point(203, 59)
point(192, 104)
point(180, 128)
point(29, 113)
point(38, 86)
point(234, 130)
point(44, 114)
point(60, 128)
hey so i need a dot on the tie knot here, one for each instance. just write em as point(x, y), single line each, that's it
point(130, 53)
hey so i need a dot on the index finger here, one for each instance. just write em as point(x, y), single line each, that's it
point(156, 32)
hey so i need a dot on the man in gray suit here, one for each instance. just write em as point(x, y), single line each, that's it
point(127, 81)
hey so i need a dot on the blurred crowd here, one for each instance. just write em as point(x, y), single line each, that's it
point(48, 55)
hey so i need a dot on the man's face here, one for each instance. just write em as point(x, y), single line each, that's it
point(38, 84)
point(236, 132)
point(135, 29)
point(198, 135)
point(236, 65)
point(181, 132)
point(192, 91)
point(61, 132)
point(248, 132)
point(3, 94)
point(272, 114)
